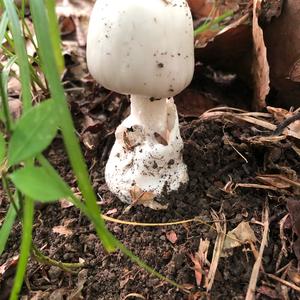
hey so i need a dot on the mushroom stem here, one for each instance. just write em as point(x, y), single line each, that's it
point(150, 113)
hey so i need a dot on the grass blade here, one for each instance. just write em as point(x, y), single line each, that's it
point(20, 51)
point(55, 35)
point(7, 225)
point(25, 248)
point(3, 26)
point(48, 62)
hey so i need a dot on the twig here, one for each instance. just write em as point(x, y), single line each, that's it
point(284, 282)
point(217, 250)
point(257, 265)
point(288, 121)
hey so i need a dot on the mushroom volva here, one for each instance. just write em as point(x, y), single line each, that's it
point(145, 49)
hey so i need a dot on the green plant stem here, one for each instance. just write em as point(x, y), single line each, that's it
point(25, 247)
point(40, 257)
point(9, 194)
point(49, 65)
point(3, 96)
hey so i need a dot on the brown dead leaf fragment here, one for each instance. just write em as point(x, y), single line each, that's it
point(62, 230)
point(294, 275)
point(200, 8)
point(76, 14)
point(200, 261)
point(294, 210)
point(260, 67)
point(268, 291)
point(12, 262)
point(288, 120)
point(140, 197)
point(239, 236)
point(64, 203)
point(172, 236)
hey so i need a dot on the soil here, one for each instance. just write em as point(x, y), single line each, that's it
point(215, 152)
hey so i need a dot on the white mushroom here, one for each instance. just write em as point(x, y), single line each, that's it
point(144, 48)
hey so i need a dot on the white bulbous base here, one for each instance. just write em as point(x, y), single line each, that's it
point(145, 159)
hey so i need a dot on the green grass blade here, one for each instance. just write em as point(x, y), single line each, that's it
point(3, 26)
point(25, 248)
point(213, 22)
point(7, 225)
point(55, 35)
point(48, 62)
point(2, 150)
point(20, 51)
point(4, 104)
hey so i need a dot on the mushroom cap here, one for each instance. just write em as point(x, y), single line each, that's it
point(141, 47)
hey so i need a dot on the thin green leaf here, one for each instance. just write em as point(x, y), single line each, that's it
point(2, 148)
point(38, 183)
point(4, 104)
point(3, 26)
point(7, 69)
point(20, 51)
point(28, 212)
point(7, 225)
point(33, 132)
point(46, 51)
point(3, 93)
point(55, 35)
point(213, 22)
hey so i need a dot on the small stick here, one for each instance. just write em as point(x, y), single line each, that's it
point(257, 265)
point(284, 282)
point(217, 249)
point(280, 128)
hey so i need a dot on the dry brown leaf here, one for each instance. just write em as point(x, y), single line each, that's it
point(294, 210)
point(201, 8)
point(239, 236)
point(260, 67)
point(279, 181)
point(281, 114)
point(138, 196)
point(197, 269)
point(271, 293)
point(294, 275)
point(11, 262)
point(274, 180)
point(64, 203)
point(79, 11)
point(77, 293)
point(172, 236)
point(200, 261)
point(111, 212)
point(62, 230)
point(15, 108)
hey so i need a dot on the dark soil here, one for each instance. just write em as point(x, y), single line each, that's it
point(212, 162)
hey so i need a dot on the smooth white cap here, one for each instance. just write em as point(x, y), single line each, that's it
point(141, 47)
